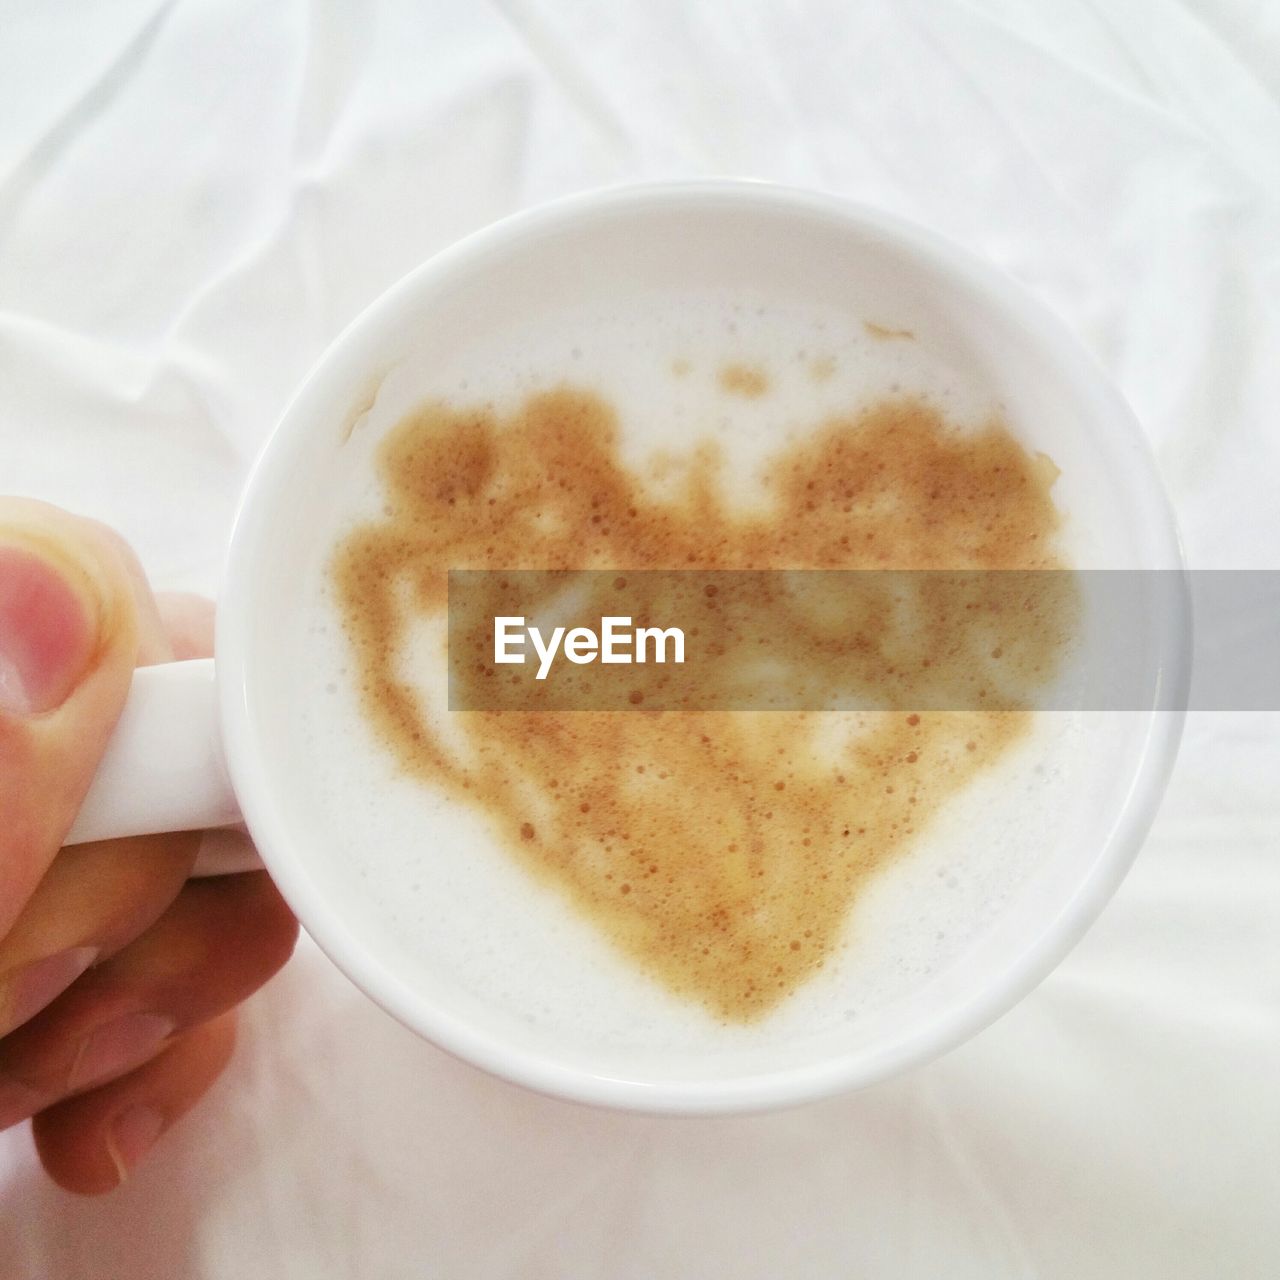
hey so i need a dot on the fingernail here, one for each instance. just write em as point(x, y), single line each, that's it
point(48, 635)
point(26, 991)
point(17, 1102)
point(225, 850)
point(131, 1135)
point(114, 1048)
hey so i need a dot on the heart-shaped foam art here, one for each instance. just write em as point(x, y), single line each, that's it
point(722, 851)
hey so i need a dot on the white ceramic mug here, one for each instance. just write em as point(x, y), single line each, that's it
point(192, 748)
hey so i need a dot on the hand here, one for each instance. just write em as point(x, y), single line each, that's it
point(118, 976)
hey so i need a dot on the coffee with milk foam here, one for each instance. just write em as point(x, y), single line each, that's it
point(671, 887)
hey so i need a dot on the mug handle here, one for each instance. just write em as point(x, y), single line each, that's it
point(164, 768)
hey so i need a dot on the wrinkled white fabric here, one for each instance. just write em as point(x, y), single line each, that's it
point(196, 195)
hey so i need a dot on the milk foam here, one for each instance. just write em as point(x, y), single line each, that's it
point(425, 877)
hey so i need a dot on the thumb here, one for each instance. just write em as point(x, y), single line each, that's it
point(68, 640)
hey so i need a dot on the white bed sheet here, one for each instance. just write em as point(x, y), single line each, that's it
point(195, 196)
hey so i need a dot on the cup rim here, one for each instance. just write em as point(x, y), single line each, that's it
point(790, 1085)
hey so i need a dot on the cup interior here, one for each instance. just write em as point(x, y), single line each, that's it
point(638, 251)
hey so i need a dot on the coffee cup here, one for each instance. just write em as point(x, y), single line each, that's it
point(237, 739)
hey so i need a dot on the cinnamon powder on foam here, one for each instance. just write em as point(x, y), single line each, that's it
point(723, 851)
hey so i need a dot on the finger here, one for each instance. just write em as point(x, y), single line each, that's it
point(68, 639)
point(91, 1143)
point(154, 645)
point(220, 940)
point(188, 622)
point(96, 898)
point(93, 900)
